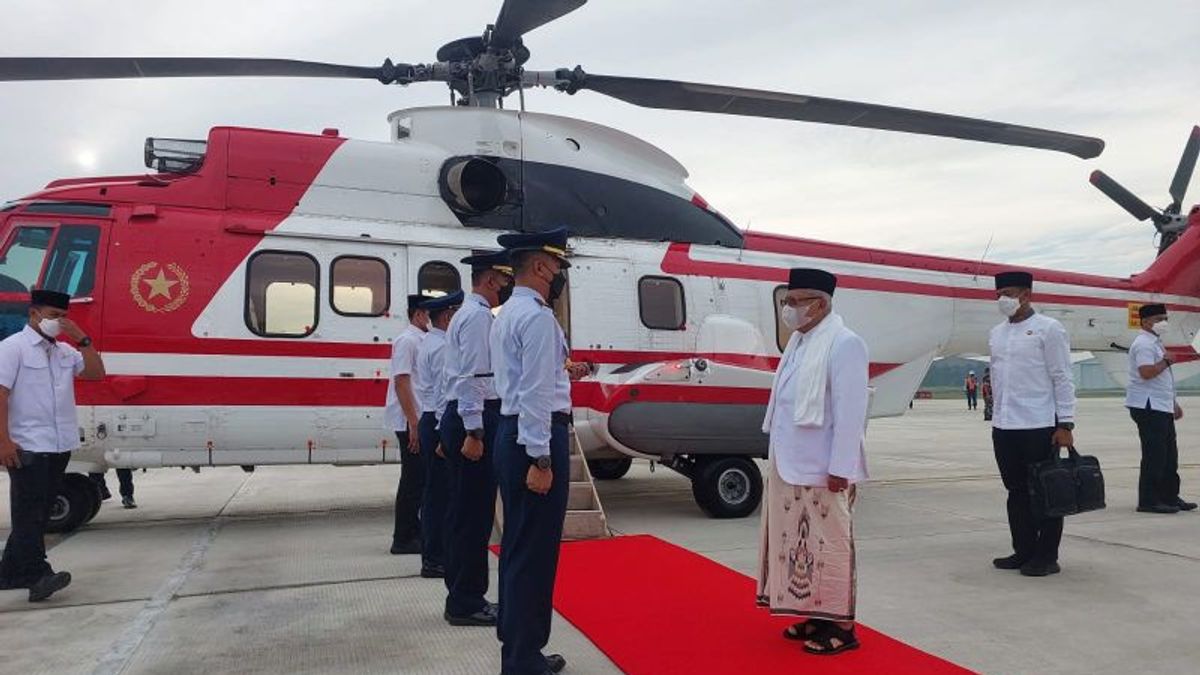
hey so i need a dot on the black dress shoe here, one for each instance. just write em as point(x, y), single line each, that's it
point(484, 617)
point(555, 663)
point(1185, 506)
point(49, 585)
point(1012, 562)
point(128, 502)
point(1036, 568)
point(409, 547)
point(433, 572)
point(1158, 508)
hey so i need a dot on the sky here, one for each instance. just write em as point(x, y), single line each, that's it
point(1123, 71)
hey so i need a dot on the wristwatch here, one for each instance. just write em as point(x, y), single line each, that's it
point(85, 341)
point(477, 434)
point(541, 463)
point(1069, 426)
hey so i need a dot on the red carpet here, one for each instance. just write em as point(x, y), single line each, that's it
point(654, 608)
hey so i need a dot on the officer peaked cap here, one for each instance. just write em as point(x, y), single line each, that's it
point(553, 242)
point(811, 279)
point(50, 299)
point(1014, 279)
point(414, 301)
point(497, 260)
point(1147, 311)
point(444, 302)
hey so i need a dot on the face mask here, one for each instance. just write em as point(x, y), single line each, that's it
point(505, 292)
point(795, 317)
point(50, 327)
point(1008, 306)
point(557, 284)
point(1160, 329)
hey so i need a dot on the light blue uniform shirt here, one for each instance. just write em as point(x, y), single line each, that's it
point(529, 352)
point(468, 362)
point(431, 362)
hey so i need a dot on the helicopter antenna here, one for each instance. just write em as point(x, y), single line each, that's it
point(983, 257)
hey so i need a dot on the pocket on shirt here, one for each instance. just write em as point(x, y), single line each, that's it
point(35, 369)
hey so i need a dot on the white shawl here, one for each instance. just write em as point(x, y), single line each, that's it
point(812, 374)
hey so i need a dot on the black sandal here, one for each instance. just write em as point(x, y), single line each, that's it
point(824, 642)
point(806, 630)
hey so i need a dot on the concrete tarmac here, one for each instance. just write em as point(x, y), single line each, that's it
point(287, 570)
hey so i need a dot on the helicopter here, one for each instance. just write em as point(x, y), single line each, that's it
point(244, 292)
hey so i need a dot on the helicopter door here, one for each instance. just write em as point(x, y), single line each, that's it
point(57, 255)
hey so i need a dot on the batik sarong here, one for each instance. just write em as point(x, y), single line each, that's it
point(806, 563)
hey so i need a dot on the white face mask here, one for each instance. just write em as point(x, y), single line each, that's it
point(1008, 306)
point(795, 317)
point(50, 327)
point(1160, 329)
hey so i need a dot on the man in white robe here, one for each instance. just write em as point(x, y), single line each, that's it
point(816, 419)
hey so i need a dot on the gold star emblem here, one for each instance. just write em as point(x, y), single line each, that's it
point(159, 285)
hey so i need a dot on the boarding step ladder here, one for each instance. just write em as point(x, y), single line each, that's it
point(585, 514)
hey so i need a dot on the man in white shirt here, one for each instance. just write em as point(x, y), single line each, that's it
point(1034, 415)
point(402, 413)
point(38, 431)
point(816, 418)
point(1152, 404)
point(431, 393)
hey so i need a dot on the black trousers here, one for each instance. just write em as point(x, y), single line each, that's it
point(434, 496)
point(972, 400)
point(1158, 481)
point(1016, 450)
point(533, 526)
point(408, 493)
point(124, 478)
point(32, 490)
point(470, 511)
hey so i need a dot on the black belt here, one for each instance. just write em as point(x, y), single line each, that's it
point(555, 418)
point(484, 375)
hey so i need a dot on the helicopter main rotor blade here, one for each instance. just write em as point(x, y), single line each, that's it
point(1187, 164)
point(518, 17)
point(675, 95)
point(1126, 199)
point(12, 69)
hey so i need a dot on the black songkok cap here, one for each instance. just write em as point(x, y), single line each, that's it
point(50, 299)
point(414, 301)
point(813, 279)
point(1014, 279)
point(1147, 311)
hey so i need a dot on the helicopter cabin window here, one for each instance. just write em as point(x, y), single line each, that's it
point(72, 268)
point(660, 303)
point(359, 286)
point(281, 294)
point(782, 332)
point(438, 278)
point(23, 258)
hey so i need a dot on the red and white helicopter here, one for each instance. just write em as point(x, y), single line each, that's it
point(245, 293)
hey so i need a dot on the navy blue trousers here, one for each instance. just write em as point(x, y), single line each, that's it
point(433, 498)
point(32, 490)
point(471, 509)
point(408, 493)
point(533, 526)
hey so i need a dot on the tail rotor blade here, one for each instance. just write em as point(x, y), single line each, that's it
point(1187, 164)
point(1126, 199)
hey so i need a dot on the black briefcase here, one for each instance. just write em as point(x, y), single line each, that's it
point(1063, 486)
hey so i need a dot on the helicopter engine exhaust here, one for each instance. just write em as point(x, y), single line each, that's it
point(473, 186)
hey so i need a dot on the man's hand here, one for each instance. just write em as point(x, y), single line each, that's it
point(578, 371)
point(9, 454)
point(1063, 438)
point(1178, 412)
point(71, 329)
point(539, 480)
point(414, 438)
point(438, 451)
point(837, 483)
point(472, 449)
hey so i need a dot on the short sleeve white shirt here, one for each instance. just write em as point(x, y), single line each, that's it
point(404, 362)
point(1159, 391)
point(40, 376)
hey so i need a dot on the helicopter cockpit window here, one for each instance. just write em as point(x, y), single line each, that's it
point(438, 278)
point(660, 303)
point(359, 286)
point(72, 268)
point(782, 332)
point(281, 294)
point(23, 258)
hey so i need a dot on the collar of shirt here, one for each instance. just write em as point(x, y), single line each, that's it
point(36, 338)
point(480, 300)
point(527, 292)
point(413, 330)
point(437, 331)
